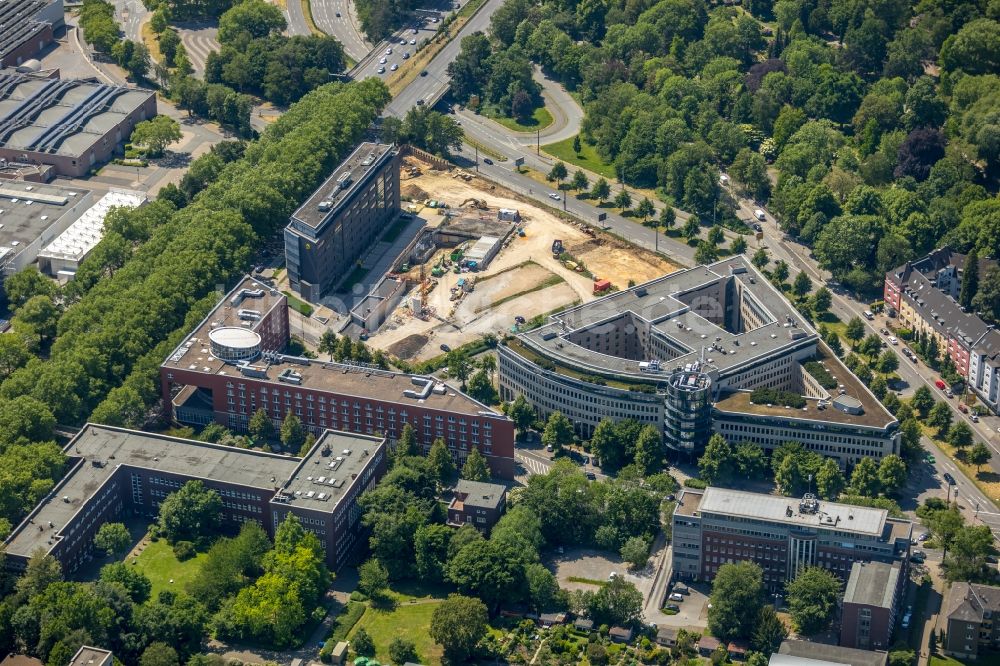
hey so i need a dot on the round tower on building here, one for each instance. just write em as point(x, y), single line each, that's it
point(232, 343)
point(688, 410)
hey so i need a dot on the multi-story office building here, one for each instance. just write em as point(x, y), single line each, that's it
point(871, 601)
point(232, 365)
point(114, 472)
point(923, 294)
point(340, 221)
point(781, 534)
point(970, 612)
point(683, 352)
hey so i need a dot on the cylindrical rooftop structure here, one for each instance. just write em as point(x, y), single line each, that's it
point(687, 411)
point(232, 343)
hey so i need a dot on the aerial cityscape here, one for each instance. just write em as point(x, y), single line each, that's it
point(541, 332)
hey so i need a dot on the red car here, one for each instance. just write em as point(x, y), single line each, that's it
point(940, 384)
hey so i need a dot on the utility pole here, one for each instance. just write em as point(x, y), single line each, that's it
point(538, 142)
point(477, 158)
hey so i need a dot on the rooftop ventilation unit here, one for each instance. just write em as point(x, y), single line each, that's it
point(344, 180)
point(324, 206)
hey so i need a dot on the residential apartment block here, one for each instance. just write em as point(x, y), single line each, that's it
point(684, 353)
point(342, 219)
point(781, 534)
point(923, 294)
point(970, 612)
point(871, 604)
point(114, 472)
point(233, 365)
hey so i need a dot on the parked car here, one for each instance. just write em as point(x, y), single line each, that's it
point(759, 214)
point(381, 70)
point(445, 348)
point(949, 478)
point(974, 418)
point(673, 607)
point(394, 67)
point(591, 476)
point(906, 622)
point(918, 556)
point(924, 536)
point(929, 458)
point(893, 340)
point(613, 575)
point(940, 384)
point(867, 314)
point(549, 448)
point(388, 51)
point(383, 60)
point(758, 228)
point(674, 596)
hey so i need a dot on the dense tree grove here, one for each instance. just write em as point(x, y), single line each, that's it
point(155, 275)
point(873, 160)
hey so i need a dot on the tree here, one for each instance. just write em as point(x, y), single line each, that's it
point(558, 431)
point(458, 624)
point(112, 538)
point(543, 588)
point(668, 217)
point(888, 362)
point(190, 513)
point(705, 253)
point(635, 551)
point(922, 400)
point(293, 433)
point(812, 598)
point(440, 464)
point(716, 465)
point(691, 228)
point(25, 284)
point(966, 558)
point(645, 209)
point(649, 450)
point(327, 343)
point(159, 654)
point(607, 445)
point(801, 285)
point(481, 388)
point(760, 258)
point(459, 366)
point(248, 20)
point(769, 631)
point(134, 581)
point(738, 245)
point(830, 480)
point(407, 444)
point(156, 134)
point(970, 279)
point(521, 413)
point(558, 173)
point(430, 545)
point(987, 299)
point(601, 190)
point(362, 643)
point(40, 316)
point(736, 600)
point(577, 146)
point(855, 330)
point(260, 427)
point(864, 478)
point(892, 473)
point(940, 417)
point(402, 650)
point(616, 603)
point(979, 455)
point(750, 460)
point(373, 578)
point(821, 300)
point(623, 200)
point(960, 435)
point(475, 467)
point(580, 181)
point(715, 235)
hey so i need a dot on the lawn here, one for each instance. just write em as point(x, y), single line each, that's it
point(157, 561)
point(408, 620)
point(988, 659)
point(586, 159)
point(539, 120)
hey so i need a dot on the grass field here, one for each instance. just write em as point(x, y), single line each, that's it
point(586, 159)
point(157, 561)
point(540, 119)
point(409, 620)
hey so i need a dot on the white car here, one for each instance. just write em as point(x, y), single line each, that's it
point(394, 67)
point(382, 60)
point(555, 197)
point(388, 51)
point(403, 41)
point(676, 597)
point(413, 31)
point(435, 19)
point(893, 340)
point(412, 42)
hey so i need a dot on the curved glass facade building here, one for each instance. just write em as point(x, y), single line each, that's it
point(687, 417)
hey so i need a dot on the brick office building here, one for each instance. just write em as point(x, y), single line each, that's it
point(114, 472)
point(781, 534)
point(231, 366)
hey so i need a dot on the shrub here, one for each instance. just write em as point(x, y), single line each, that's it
point(765, 396)
point(821, 374)
point(695, 483)
point(184, 550)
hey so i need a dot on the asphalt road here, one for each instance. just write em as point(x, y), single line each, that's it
point(199, 40)
point(295, 15)
point(338, 19)
point(130, 15)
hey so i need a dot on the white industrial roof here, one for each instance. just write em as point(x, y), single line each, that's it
point(81, 236)
point(234, 337)
point(842, 517)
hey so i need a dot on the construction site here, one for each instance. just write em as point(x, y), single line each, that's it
point(489, 261)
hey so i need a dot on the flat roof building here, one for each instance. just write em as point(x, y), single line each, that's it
point(870, 605)
point(233, 364)
point(32, 215)
point(27, 27)
point(804, 653)
point(683, 352)
point(781, 534)
point(71, 124)
point(92, 656)
point(342, 219)
point(115, 472)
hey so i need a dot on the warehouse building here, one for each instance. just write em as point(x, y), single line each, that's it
point(783, 535)
point(114, 472)
point(27, 27)
point(72, 125)
point(684, 353)
point(341, 220)
point(233, 364)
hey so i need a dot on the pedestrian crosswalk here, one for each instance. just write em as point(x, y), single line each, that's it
point(532, 465)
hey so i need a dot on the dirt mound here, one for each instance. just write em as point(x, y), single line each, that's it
point(585, 246)
point(414, 192)
point(408, 346)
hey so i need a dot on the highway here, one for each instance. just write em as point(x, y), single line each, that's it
point(338, 19)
